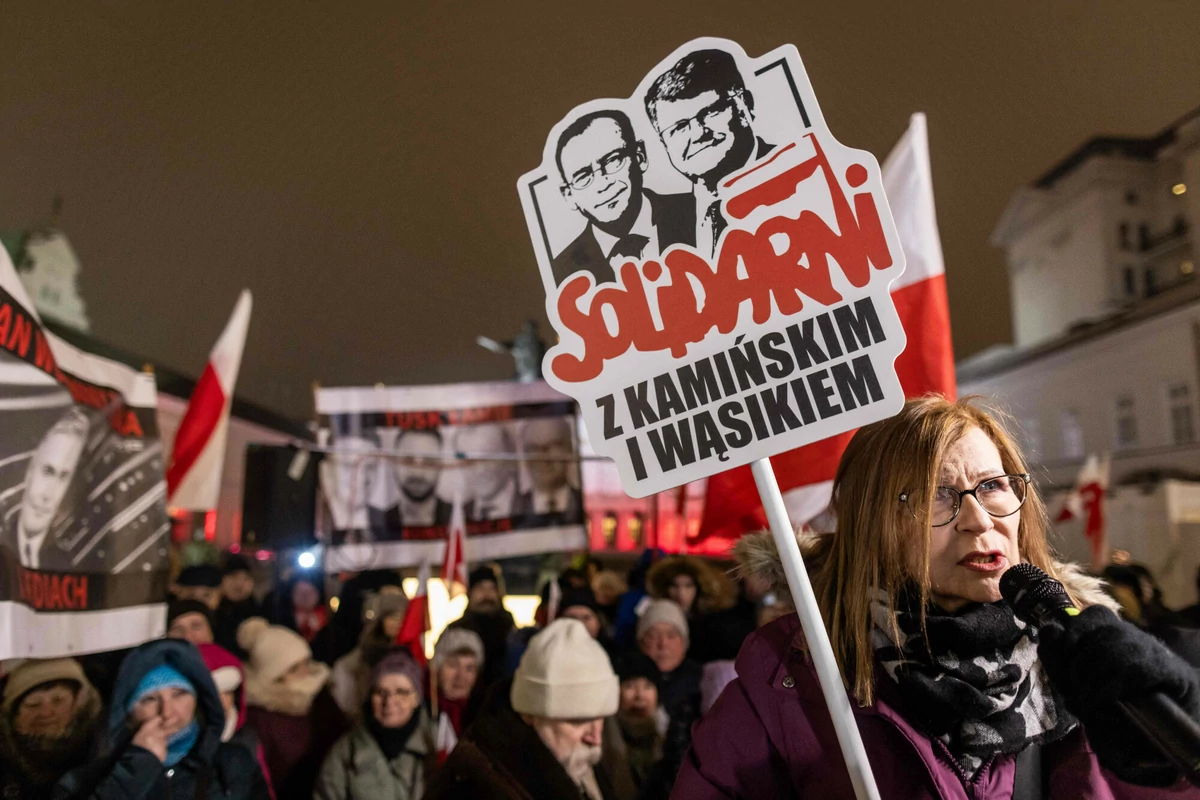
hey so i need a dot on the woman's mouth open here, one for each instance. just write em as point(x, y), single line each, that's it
point(990, 561)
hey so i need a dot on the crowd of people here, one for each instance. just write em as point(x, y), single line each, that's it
point(674, 680)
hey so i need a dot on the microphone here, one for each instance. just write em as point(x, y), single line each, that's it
point(1039, 600)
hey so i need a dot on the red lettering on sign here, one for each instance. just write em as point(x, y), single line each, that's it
point(50, 592)
point(688, 316)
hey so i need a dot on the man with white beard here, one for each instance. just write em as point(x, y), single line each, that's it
point(538, 734)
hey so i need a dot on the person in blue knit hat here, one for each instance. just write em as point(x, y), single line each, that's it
point(165, 726)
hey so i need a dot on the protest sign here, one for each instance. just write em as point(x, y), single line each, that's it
point(717, 268)
point(83, 519)
point(398, 458)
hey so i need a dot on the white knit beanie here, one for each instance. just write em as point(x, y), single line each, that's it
point(273, 649)
point(457, 640)
point(667, 611)
point(565, 674)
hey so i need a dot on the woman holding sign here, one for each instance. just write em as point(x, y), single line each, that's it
point(954, 696)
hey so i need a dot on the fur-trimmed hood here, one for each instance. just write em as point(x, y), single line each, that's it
point(715, 591)
point(756, 554)
point(294, 699)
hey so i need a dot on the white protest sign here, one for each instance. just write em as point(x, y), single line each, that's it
point(717, 268)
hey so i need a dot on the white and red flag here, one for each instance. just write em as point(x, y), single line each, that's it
point(454, 567)
point(1086, 502)
point(732, 505)
point(447, 739)
point(194, 473)
point(416, 619)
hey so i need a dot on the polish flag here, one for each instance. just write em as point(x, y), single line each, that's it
point(194, 474)
point(732, 505)
point(454, 567)
point(416, 619)
point(447, 739)
point(1086, 501)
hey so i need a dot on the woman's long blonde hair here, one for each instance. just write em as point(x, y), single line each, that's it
point(875, 530)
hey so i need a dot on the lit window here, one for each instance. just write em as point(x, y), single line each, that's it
point(1126, 424)
point(1072, 433)
point(1179, 405)
point(1187, 267)
point(1179, 188)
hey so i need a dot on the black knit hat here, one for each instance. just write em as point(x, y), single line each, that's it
point(481, 574)
point(635, 664)
point(235, 562)
point(578, 597)
point(177, 608)
point(200, 575)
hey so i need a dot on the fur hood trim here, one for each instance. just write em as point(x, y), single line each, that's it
point(715, 590)
point(293, 699)
point(756, 554)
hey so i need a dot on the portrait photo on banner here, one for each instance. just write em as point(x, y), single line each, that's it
point(390, 478)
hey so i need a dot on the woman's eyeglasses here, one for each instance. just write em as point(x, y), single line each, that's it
point(1001, 496)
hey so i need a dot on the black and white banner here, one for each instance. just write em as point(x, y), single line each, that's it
point(400, 458)
point(83, 519)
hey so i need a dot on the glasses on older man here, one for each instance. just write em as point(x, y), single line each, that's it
point(1001, 496)
point(610, 164)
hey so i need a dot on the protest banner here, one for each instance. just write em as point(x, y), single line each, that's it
point(397, 458)
point(717, 267)
point(83, 519)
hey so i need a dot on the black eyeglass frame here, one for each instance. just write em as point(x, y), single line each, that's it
point(1024, 476)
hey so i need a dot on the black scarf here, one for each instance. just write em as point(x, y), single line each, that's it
point(978, 687)
point(391, 741)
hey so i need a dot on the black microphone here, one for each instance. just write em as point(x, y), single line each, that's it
point(1037, 599)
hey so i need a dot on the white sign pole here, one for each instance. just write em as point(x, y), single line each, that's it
point(819, 648)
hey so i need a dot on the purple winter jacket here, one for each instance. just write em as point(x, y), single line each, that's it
point(769, 735)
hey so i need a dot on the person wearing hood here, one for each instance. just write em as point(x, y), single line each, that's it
point(457, 660)
point(383, 613)
point(538, 736)
point(190, 620)
point(954, 696)
point(48, 726)
point(165, 723)
point(289, 705)
point(707, 596)
point(390, 753)
point(238, 603)
point(229, 677)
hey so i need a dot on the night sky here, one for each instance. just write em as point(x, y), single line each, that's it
point(355, 164)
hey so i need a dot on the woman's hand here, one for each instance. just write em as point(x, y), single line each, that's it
point(152, 736)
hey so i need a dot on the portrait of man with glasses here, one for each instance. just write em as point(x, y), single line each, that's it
point(602, 165)
point(704, 115)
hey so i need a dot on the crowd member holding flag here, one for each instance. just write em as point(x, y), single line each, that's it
point(289, 704)
point(391, 752)
point(954, 696)
point(415, 623)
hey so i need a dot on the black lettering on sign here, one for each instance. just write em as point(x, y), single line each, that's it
point(609, 406)
point(821, 394)
point(699, 383)
point(739, 431)
point(804, 345)
point(635, 458)
point(639, 408)
point(772, 347)
point(856, 381)
point(859, 325)
point(672, 444)
point(669, 401)
point(779, 413)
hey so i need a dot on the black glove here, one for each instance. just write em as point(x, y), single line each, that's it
point(1096, 660)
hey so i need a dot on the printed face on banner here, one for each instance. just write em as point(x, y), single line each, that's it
point(402, 457)
point(717, 268)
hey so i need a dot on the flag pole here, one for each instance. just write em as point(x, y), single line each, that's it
point(819, 648)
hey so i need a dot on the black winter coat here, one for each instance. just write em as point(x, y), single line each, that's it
point(210, 771)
